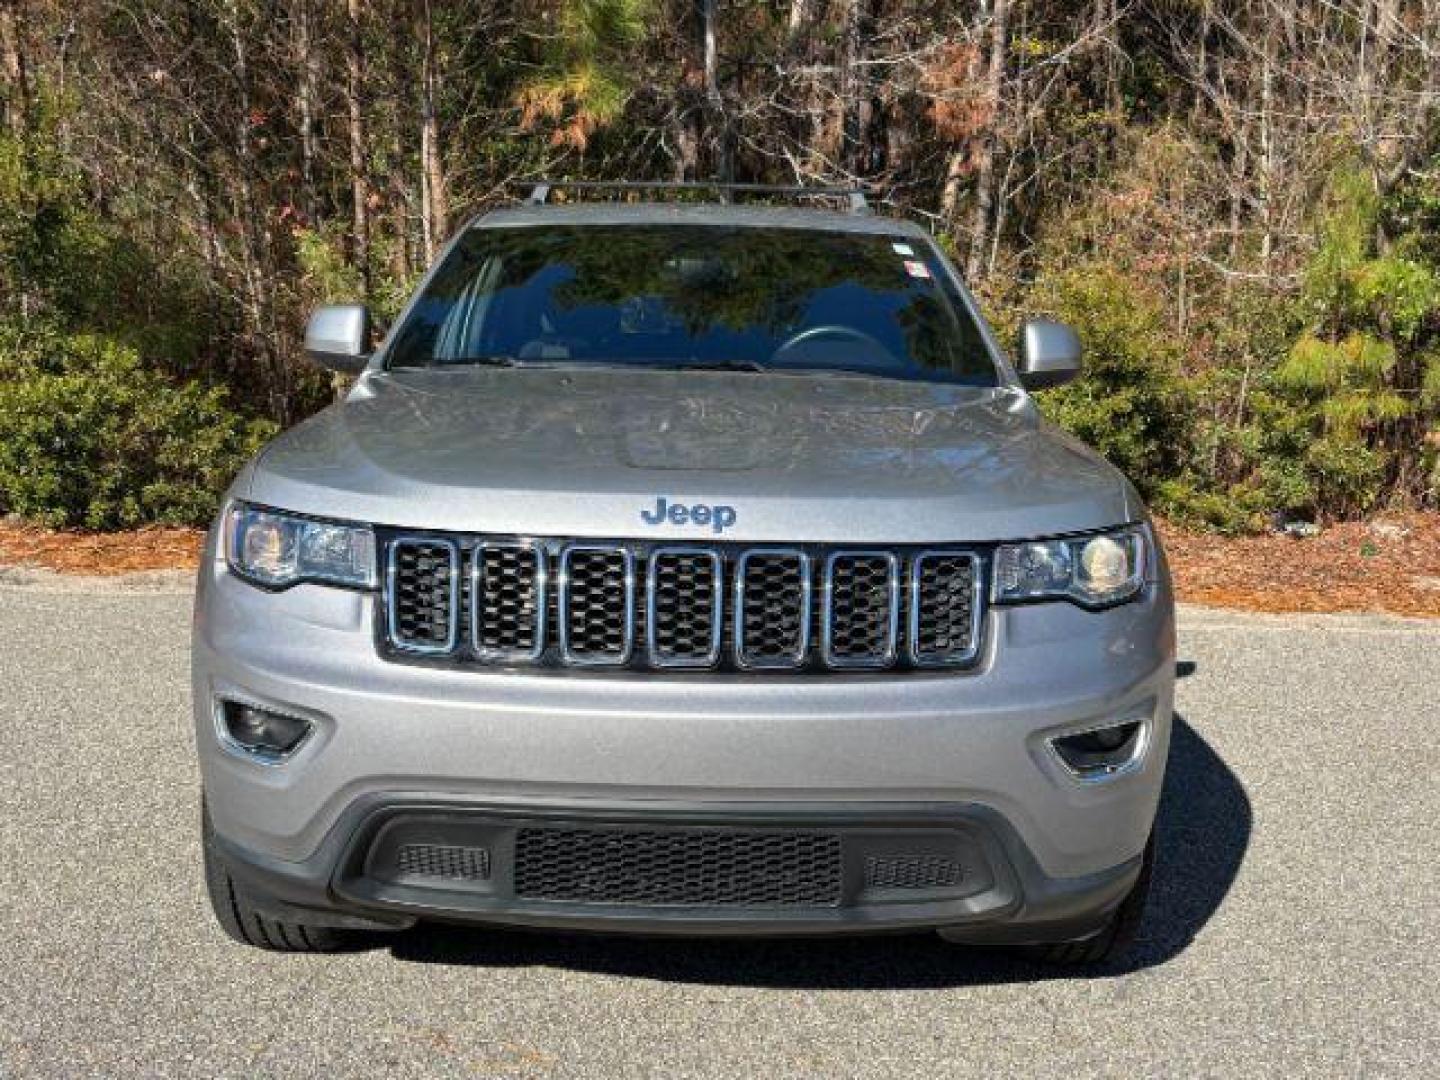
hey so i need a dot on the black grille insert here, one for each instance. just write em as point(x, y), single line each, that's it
point(943, 607)
point(508, 589)
point(424, 594)
point(700, 867)
point(862, 608)
point(772, 617)
point(684, 617)
point(597, 605)
point(643, 605)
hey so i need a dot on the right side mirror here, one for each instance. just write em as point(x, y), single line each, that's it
point(338, 337)
point(1049, 354)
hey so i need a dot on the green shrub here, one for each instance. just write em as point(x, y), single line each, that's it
point(89, 437)
point(1235, 510)
point(1348, 403)
point(1130, 404)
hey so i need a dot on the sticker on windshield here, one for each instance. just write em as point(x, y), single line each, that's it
point(916, 269)
point(902, 249)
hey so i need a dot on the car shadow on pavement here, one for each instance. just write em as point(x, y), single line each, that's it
point(1204, 829)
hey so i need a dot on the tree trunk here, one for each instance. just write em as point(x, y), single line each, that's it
point(808, 106)
point(1266, 191)
point(307, 58)
point(13, 66)
point(954, 177)
point(359, 181)
point(402, 215)
point(1239, 171)
point(717, 123)
point(854, 89)
point(686, 138)
point(434, 207)
point(1388, 145)
point(199, 187)
point(256, 303)
point(799, 17)
point(985, 158)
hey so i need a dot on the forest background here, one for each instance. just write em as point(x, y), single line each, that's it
point(1236, 202)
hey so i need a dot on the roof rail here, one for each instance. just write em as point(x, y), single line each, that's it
point(854, 196)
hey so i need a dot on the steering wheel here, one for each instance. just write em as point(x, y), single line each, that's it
point(833, 330)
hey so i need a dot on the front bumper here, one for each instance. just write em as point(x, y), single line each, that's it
point(875, 759)
point(997, 894)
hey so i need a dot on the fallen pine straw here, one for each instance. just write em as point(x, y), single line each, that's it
point(1391, 564)
point(100, 554)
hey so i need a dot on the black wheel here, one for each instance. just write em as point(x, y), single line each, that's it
point(1117, 934)
point(241, 918)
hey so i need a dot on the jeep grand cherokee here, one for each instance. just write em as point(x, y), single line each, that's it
point(684, 568)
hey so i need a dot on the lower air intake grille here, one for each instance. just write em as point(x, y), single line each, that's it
point(911, 872)
point(706, 868)
point(433, 860)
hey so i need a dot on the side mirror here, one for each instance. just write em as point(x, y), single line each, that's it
point(338, 337)
point(1049, 354)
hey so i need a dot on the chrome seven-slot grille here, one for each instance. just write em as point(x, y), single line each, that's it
point(644, 605)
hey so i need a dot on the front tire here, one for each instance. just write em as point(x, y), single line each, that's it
point(245, 921)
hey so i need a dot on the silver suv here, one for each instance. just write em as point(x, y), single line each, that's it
point(684, 568)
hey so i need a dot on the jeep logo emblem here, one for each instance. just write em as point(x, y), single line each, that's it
point(719, 518)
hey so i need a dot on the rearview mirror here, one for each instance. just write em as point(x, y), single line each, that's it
point(1049, 354)
point(338, 337)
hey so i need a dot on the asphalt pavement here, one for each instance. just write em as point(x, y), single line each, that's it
point(1294, 928)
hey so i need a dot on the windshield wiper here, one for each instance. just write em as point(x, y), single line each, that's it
point(497, 360)
point(713, 365)
point(502, 360)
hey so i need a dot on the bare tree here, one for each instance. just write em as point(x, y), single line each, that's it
point(434, 202)
point(13, 65)
point(985, 155)
point(355, 115)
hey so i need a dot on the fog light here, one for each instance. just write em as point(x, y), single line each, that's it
point(1101, 752)
point(261, 732)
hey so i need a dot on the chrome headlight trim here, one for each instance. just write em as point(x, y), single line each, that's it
point(299, 561)
point(1066, 553)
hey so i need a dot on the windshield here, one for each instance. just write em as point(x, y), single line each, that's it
point(702, 296)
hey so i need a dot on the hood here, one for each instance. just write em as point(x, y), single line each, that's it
point(591, 453)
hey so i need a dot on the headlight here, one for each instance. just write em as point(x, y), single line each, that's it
point(1095, 571)
point(278, 550)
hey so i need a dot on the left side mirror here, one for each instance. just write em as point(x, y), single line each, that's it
point(1049, 354)
point(338, 337)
